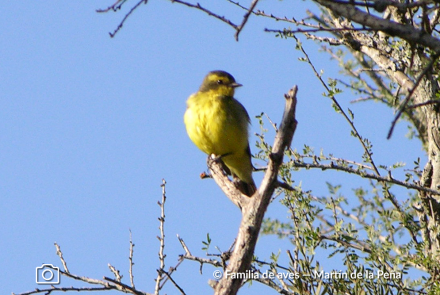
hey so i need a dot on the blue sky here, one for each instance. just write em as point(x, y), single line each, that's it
point(90, 125)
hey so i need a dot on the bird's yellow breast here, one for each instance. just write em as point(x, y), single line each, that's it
point(217, 124)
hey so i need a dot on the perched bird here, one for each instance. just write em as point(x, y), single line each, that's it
point(218, 124)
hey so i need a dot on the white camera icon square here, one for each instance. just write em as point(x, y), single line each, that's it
point(47, 274)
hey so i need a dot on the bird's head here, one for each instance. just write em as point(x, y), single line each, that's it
point(220, 83)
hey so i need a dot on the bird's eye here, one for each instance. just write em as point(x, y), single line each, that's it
point(219, 81)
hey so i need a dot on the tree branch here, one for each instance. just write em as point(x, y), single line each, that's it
point(253, 212)
point(406, 32)
point(363, 174)
point(227, 186)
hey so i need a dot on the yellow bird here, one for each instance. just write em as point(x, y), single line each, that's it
point(218, 124)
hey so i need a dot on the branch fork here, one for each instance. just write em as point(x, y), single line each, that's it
point(253, 208)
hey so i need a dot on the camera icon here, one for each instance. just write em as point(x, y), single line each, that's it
point(47, 274)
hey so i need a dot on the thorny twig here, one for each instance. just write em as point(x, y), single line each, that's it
point(130, 259)
point(161, 239)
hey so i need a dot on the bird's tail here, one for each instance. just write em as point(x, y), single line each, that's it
point(245, 188)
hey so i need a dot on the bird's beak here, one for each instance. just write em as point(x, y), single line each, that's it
point(235, 85)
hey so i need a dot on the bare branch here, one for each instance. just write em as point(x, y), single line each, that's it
point(124, 288)
point(118, 276)
point(189, 256)
point(125, 17)
point(116, 6)
point(174, 282)
point(289, 33)
point(60, 254)
point(183, 245)
point(227, 186)
point(161, 269)
point(62, 289)
point(207, 11)
point(130, 259)
point(245, 18)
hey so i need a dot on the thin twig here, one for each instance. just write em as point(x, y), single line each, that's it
point(189, 256)
point(388, 179)
point(126, 16)
point(290, 33)
point(184, 245)
point(113, 7)
point(207, 11)
point(60, 254)
point(118, 276)
point(245, 18)
point(63, 289)
point(170, 271)
point(410, 93)
point(130, 259)
point(340, 109)
point(124, 288)
point(274, 125)
point(161, 238)
point(434, 101)
point(174, 282)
